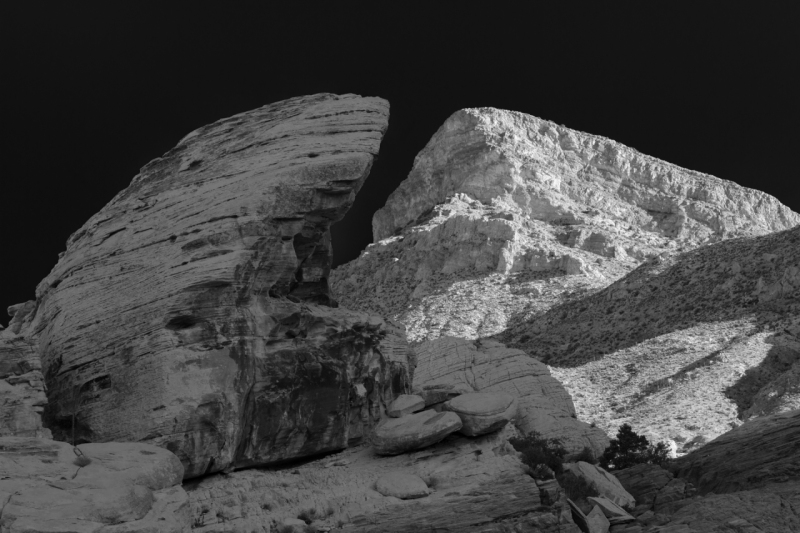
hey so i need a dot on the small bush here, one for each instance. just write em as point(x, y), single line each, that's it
point(630, 448)
point(308, 516)
point(542, 472)
point(536, 450)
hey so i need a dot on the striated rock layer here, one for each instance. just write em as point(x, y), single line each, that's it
point(193, 310)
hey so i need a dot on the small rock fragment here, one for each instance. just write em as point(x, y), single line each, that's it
point(402, 485)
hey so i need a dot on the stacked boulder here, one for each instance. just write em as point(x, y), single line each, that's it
point(420, 420)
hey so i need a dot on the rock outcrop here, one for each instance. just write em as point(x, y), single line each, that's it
point(607, 485)
point(475, 485)
point(46, 486)
point(413, 432)
point(488, 366)
point(193, 311)
point(482, 412)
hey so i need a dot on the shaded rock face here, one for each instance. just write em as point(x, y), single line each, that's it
point(544, 405)
point(760, 452)
point(193, 310)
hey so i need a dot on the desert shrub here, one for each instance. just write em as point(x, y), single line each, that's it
point(630, 448)
point(81, 461)
point(537, 450)
point(542, 471)
point(586, 455)
point(308, 515)
point(576, 487)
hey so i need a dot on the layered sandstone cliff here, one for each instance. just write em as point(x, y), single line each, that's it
point(193, 311)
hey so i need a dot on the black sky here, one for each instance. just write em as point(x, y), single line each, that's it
point(92, 92)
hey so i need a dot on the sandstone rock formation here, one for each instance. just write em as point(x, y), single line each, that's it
point(193, 310)
point(402, 485)
point(405, 404)
point(488, 366)
point(119, 488)
point(482, 412)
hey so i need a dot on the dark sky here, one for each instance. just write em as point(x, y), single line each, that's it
point(92, 92)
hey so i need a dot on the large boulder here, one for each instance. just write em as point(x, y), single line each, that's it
point(193, 311)
point(482, 412)
point(607, 485)
point(412, 432)
point(46, 486)
point(487, 366)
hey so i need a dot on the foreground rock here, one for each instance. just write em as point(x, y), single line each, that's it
point(476, 485)
point(193, 310)
point(120, 487)
point(607, 485)
point(402, 485)
point(482, 412)
point(405, 404)
point(412, 432)
point(488, 366)
point(760, 452)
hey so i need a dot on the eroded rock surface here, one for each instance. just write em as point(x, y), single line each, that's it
point(413, 432)
point(119, 488)
point(489, 366)
point(193, 310)
point(483, 412)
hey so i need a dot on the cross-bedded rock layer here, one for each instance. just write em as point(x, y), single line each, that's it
point(193, 310)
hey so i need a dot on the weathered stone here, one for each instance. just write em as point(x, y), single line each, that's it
point(402, 485)
point(612, 511)
point(578, 516)
point(119, 487)
point(193, 310)
point(22, 392)
point(760, 451)
point(412, 432)
point(597, 521)
point(482, 412)
point(489, 366)
point(607, 485)
point(405, 404)
point(643, 481)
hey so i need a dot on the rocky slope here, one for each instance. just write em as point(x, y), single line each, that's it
point(685, 346)
point(193, 310)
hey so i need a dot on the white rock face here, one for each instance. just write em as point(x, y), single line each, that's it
point(193, 310)
point(544, 405)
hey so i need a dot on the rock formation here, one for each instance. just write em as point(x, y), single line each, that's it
point(473, 484)
point(101, 488)
point(193, 311)
point(488, 366)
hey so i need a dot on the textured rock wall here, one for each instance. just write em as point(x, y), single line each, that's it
point(193, 310)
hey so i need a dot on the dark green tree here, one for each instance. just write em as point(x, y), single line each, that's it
point(629, 449)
